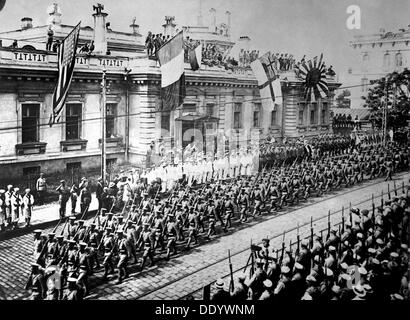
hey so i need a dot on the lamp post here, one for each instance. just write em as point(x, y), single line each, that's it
point(103, 126)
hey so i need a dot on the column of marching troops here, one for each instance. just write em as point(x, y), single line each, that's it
point(148, 225)
point(364, 258)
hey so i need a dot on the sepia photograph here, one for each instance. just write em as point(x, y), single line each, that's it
point(220, 151)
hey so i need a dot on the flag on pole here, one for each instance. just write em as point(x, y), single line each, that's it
point(171, 59)
point(195, 57)
point(66, 62)
point(269, 83)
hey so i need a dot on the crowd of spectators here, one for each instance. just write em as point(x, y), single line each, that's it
point(346, 121)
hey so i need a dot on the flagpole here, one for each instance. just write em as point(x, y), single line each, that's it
point(103, 126)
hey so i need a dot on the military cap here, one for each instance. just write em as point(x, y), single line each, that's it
point(298, 266)
point(365, 212)
point(285, 269)
point(379, 241)
point(110, 213)
point(375, 261)
point(72, 218)
point(362, 271)
point(371, 250)
point(404, 246)
point(344, 266)
point(27, 190)
point(71, 241)
point(146, 224)
point(265, 240)
point(111, 185)
point(16, 189)
point(267, 283)
point(83, 178)
point(82, 244)
point(359, 235)
point(119, 231)
point(119, 216)
point(38, 231)
point(332, 249)
point(60, 236)
point(396, 296)
point(51, 234)
point(9, 186)
point(354, 210)
point(219, 284)
point(310, 278)
point(62, 181)
point(345, 276)
point(394, 255)
point(2, 191)
point(336, 289)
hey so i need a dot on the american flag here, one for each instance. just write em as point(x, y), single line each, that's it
point(66, 63)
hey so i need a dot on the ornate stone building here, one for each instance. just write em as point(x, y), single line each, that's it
point(217, 100)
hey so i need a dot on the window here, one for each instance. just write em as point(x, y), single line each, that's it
point(188, 108)
point(237, 116)
point(110, 120)
point(165, 121)
point(313, 114)
point(386, 61)
point(273, 118)
point(31, 171)
point(365, 83)
point(111, 162)
point(210, 108)
point(73, 166)
point(301, 114)
point(366, 62)
point(399, 60)
point(30, 123)
point(73, 121)
point(324, 113)
point(256, 115)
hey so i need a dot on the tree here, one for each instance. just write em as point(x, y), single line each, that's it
point(395, 89)
point(343, 100)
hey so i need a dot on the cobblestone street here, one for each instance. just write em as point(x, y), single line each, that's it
point(188, 272)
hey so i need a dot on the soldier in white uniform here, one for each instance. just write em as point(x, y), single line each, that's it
point(27, 206)
point(15, 207)
point(2, 210)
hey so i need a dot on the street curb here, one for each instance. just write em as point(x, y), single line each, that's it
point(42, 225)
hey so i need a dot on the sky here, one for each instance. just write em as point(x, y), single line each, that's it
point(299, 27)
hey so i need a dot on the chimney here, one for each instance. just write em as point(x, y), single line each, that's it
point(100, 30)
point(26, 23)
point(134, 26)
point(169, 26)
point(54, 13)
point(228, 23)
point(212, 13)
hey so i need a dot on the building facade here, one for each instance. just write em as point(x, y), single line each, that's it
point(379, 54)
point(222, 106)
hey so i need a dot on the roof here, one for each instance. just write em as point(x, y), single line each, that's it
point(362, 113)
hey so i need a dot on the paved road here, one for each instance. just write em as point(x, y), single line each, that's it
point(188, 272)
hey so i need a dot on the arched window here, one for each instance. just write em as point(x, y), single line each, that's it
point(386, 62)
point(398, 60)
point(366, 58)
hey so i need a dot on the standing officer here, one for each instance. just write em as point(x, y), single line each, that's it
point(85, 199)
point(64, 195)
point(41, 187)
point(99, 193)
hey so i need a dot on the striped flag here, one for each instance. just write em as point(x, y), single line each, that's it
point(66, 62)
point(195, 57)
point(171, 59)
point(269, 83)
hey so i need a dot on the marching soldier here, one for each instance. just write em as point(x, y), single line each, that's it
point(146, 240)
point(108, 244)
point(36, 283)
point(83, 268)
point(123, 256)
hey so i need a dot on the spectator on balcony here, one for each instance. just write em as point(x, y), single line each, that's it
point(330, 72)
point(149, 43)
point(84, 48)
point(55, 45)
point(50, 37)
point(14, 45)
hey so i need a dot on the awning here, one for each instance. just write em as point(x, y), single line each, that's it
point(197, 118)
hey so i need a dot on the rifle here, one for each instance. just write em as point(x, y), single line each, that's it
point(395, 188)
point(382, 200)
point(283, 248)
point(311, 233)
point(232, 284)
point(298, 238)
point(343, 220)
point(65, 223)
point(388, 191)
point(328, 225)
point(350, 214)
